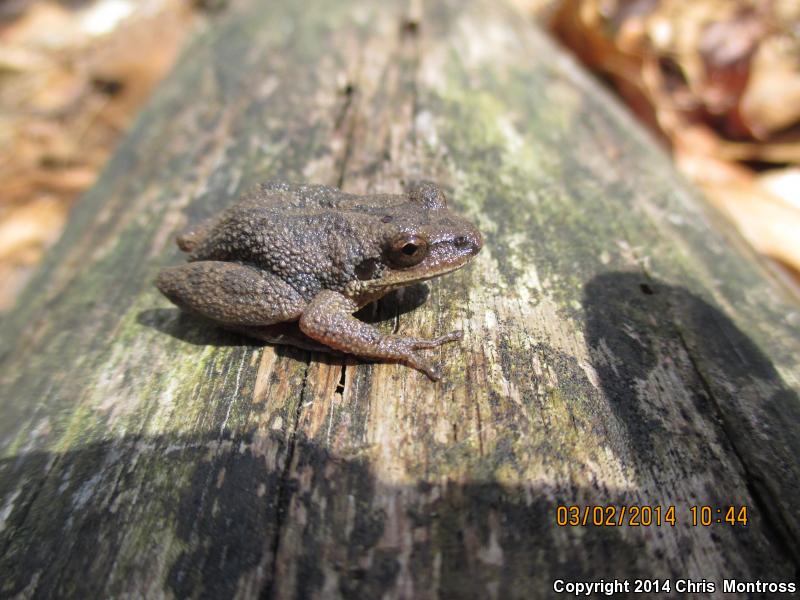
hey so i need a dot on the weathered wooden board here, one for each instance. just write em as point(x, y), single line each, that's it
point(619, 347)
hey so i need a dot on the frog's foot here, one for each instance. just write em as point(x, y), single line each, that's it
point(328, 319)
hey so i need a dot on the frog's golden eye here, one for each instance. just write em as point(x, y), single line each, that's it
point(407, 250)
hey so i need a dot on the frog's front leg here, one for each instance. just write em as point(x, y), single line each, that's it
point(231, 294)
point(329, 319)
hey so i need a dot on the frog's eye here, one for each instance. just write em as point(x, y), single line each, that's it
point(407, 250)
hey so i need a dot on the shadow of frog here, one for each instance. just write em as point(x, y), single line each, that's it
point(198, 330)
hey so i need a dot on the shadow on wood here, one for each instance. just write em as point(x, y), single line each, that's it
point(633, 324)
point(76, 512)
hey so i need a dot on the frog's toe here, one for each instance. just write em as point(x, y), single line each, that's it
point(453, 336)
point(433, 373)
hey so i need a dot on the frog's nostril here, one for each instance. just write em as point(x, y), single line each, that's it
point(471, 241)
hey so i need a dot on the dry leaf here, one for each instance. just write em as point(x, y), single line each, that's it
point(771, 101)
point(720, 80)
point(70, 81)
point(784, 183)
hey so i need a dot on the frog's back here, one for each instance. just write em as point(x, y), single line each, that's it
point(278, 218)
point(276, 223)
point(303, 197)
point(289, 197)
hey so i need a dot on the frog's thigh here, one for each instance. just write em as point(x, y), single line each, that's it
point(230, 293)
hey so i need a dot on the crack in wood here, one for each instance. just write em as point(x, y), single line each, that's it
point(348, 92)
point(409, 27)
point(342, 380)
point(480, 429)
point(283, 494)
point(347, 119)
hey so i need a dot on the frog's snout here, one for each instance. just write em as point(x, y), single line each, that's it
point(470, 242)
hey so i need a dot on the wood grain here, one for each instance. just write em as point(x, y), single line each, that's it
point(621, 347)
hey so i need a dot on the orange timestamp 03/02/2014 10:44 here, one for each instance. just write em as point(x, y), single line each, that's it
point(645, 515)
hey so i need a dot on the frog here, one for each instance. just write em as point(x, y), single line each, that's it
point(312, 255)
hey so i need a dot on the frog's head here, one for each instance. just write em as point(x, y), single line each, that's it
point(417, 240)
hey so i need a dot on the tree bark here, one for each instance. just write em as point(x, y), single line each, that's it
point(621, 348)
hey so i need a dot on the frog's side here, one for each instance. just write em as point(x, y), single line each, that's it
point(315, 255)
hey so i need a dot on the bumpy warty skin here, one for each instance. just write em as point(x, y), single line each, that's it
point(269, 258)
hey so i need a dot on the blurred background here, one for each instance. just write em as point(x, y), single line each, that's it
point(718, 81)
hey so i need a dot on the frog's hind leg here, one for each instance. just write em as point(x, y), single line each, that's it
point(232, 294)
point(328, 319)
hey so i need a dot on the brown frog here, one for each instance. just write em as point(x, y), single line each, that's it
point(315, 255)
